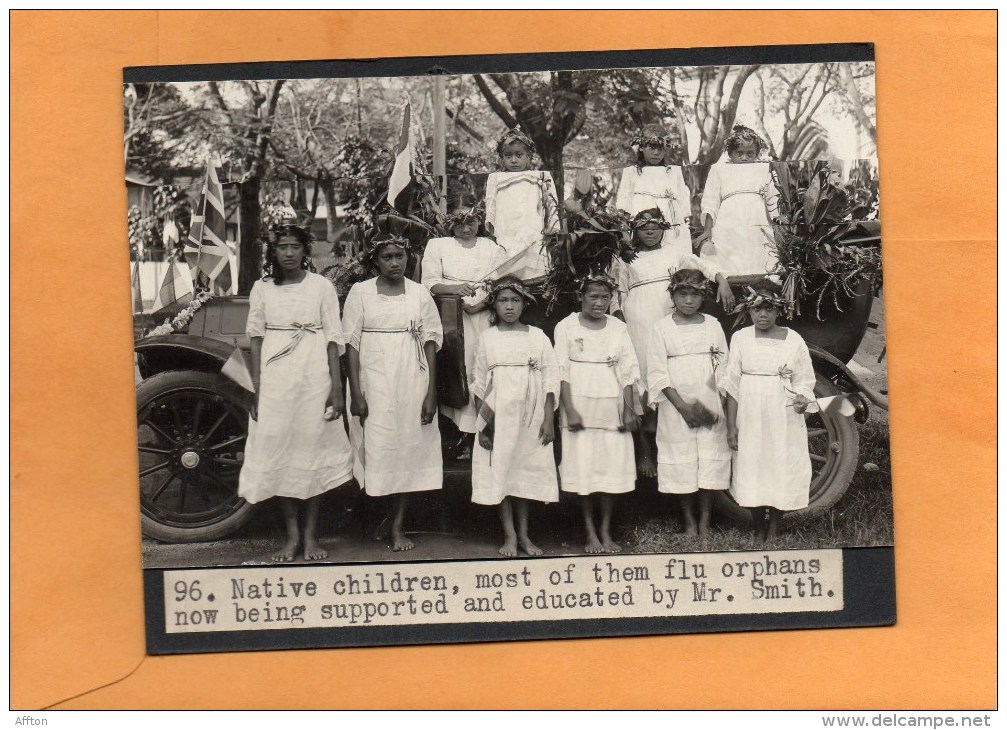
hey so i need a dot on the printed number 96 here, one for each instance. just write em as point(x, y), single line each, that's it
point(187, 591)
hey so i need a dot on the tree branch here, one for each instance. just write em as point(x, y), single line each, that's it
point(495, 104)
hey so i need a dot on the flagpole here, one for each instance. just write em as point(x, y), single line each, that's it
point(439, 143)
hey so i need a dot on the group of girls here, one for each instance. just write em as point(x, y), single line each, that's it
point(638, 356)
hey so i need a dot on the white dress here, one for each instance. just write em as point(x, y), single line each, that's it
point(736, 196)
point(292, 451)
point(662, 187)
point(446, 261)
point(643, 293)
point(394, 452)
point(598, 365)
point(771, 467)
point(514, 371)
point(522, 208)
point(687, 357)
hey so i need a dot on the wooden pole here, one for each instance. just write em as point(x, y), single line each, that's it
point(439, 139)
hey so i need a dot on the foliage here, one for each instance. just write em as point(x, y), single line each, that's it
point(597, 239)
point(814, 213)
point(165, 224)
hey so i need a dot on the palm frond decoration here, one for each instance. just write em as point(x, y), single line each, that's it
point(814, 217)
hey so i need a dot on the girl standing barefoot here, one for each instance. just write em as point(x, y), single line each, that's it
point(515, 382)
point(653, 182)
point(687, 348)
point(393, 332)
point(598, 370)
point(295, 451)
point(769, 382)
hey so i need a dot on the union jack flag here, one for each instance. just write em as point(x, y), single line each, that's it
point(206, 251)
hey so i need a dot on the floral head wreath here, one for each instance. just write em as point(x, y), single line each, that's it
point(646, 217)
point(515, 135)
point(514, 284)
point(464, 214)
point(688, 279)
point(385, 239)
point(596, 278)
point(741, 134)
point(288, 227)
point(754, 298)
point(652, 134)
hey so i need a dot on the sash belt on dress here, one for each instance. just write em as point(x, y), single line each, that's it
point(415, 330)
point(298, 329)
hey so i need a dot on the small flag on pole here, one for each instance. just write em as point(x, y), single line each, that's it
point(400, 182)
point(135, 286)
point(175, 288)
point(207, 251)
point(236, 368)
point(834, 404)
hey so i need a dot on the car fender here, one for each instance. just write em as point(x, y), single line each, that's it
point(181, 352)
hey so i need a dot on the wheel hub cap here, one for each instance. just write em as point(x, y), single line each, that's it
point(190, 459)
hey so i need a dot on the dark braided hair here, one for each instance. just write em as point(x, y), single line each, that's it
point(271, 269)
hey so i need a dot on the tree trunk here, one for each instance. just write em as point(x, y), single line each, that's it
point(328, 186)
point(552, 160)
point(250, 262)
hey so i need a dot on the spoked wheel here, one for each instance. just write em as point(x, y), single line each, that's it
point(191, 431)
point(834, 447)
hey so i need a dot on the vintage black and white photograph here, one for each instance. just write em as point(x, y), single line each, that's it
point(487, 337)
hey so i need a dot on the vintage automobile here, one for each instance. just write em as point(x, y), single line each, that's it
point(192, 421)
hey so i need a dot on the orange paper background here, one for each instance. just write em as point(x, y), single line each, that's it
point(76, 603)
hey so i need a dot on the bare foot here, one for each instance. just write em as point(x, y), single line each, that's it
point(647, 467)
point(704, 529)
point(314, 551)
point(594, 546)
point(529, 547)
point(509, 548)
point(401, 543)
point(611, 546)
point(691, 529)
point(286, 554)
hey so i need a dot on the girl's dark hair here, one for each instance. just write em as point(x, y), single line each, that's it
point(514, 284)
point(271, 269)
point(691, 279)
point(768, 288)
point(741, 134)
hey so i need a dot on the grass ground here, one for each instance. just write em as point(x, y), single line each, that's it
point(862, 518)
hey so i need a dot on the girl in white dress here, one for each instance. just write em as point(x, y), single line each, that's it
point(655, 183)
point(769, 381)
point(736, 202)
point(515, 383)
point(297, 447)
point(460, 266)
point(643, 300)
point(394, 332)
point(598, 372)
point(687, 350)
point(521, 208)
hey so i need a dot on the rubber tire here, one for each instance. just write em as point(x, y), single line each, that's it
point(157, 386)
point(844, 436)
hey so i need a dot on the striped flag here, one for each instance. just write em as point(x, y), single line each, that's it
point(236, 368)
point(176, 288)
point(400, 182)
point(207, 251)
point(135, 286)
